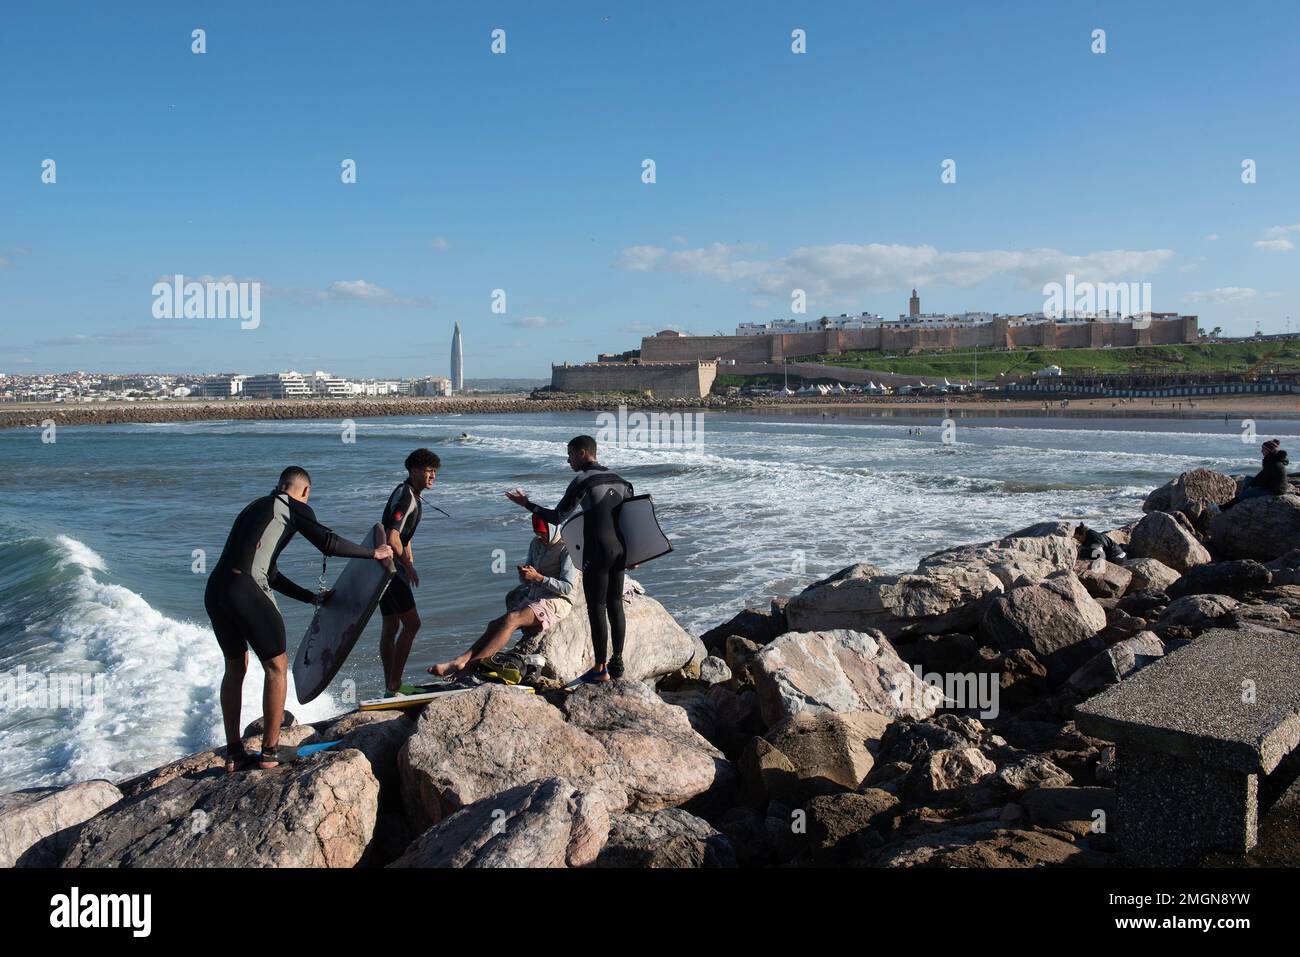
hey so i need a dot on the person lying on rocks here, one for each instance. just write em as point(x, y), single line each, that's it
point(1094, 546)
point(1271, 478)
point(548, 578)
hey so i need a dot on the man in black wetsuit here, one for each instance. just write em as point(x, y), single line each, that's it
point(598, 492)
point(401, 518)
point(243, 610)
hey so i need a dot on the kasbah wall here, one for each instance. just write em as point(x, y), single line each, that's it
point(675, 380)
point(999, 334)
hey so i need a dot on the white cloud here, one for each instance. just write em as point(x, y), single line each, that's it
point(1212, 237)
point(440, 243)
point(844, 271)
point(1281, 245)
point(1222, 294)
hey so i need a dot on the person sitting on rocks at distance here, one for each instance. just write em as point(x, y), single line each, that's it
point(1271, 479)
point(545, 596)
point(1094, 546)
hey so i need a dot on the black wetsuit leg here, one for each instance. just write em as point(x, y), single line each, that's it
point(243, 616)
point(617, 621)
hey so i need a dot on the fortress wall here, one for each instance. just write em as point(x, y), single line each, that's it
point(667, 381)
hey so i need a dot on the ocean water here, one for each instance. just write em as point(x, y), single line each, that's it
point(99, 533)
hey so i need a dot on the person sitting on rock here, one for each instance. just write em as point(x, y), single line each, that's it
point(1094, 546)
point(548, 578)
point(1271, 479)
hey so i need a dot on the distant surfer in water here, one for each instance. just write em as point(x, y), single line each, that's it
point(545, 596)
point(598, 492)
point(243, 610)
point(401, 518)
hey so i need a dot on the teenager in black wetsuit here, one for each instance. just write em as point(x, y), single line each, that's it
point(401, 518)
point(243, 610)
point(598, 492)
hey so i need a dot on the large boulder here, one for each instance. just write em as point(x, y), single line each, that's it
point(1194, 493)
point(1234, 578)
point(470, 746)
point(655, 754)
point(318, 811)
point(38, 824)
point(1286, 570)
point(1029, 555)
point(751, 623)
point(939, 599)
point(1198, 612)
point(1117, 662)
point(1160, 535)
point(1056, 619)
point(547, 823)
point(204, 763)
point(1261, 528)
point(655, 645)
point(379, 735)
point(665, 838)
point(942, 776)
point(1104, 579)
point(1149, 575)
point(842, 827)
point(829, 751)
point(840, 671)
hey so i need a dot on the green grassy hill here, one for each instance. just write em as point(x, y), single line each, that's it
point(1257, 357)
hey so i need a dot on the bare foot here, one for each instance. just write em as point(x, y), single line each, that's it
point(446, 668)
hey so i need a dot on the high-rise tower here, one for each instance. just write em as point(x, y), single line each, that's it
point(914, 305)
point(457, 362)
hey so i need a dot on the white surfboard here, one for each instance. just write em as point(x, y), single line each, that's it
point(638, 526)
point(338, 623)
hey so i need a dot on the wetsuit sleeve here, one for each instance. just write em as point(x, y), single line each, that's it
point(568, 577)
point(328, 543)
point(557, 515)
point(286, 587)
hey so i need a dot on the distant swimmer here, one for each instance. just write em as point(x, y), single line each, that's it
point(243, 611)
point(401, 518)
point(464, 435)
point(598, 492)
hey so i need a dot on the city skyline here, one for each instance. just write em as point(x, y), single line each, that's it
point(522, 173)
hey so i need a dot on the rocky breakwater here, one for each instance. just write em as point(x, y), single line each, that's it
point(116, 413)
point(874, 719)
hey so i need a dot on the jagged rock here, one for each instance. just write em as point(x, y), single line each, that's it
point(840, 825)
point(1260, 615)
point(756, 626)
point(470, 746)
point(379, 735)
point(318, 811)
point(1117, 662)
point(942, 598)
point(746, 829)
point(766, 774)
point(1149, 574)
point(38, 824)
point(986, 844)
point(740, 652)
point(551, 822)
point(1029, 555)
point(942, 776)
point(1160, 535)
point(838, 671)
point(656, 645)
point(1197, 612)
point(907, 741)
point(1261, 528)
point(204, 762)
point(1145, 604)
point(714, 671)
point(1286, 570)
point(1105, 579)
point(1022, 678)
point(828, 751)
point(888, 776)
point(1070, 809)
point(1031, 771)
point(287, 720)
point(665, 838)
point(1056, 619)
point(1234, 578)
point(658, 758)
point(1195, 492)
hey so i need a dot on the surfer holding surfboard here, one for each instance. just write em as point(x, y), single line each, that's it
point(401, 518)
point(598, 492)
point(244, 613)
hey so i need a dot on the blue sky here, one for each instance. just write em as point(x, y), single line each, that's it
point(522, 171)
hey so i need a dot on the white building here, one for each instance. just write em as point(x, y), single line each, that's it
point(223, 386)
point(324, 384)
point(276, 385)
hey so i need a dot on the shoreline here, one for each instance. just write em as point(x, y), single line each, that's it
point(35, 415)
